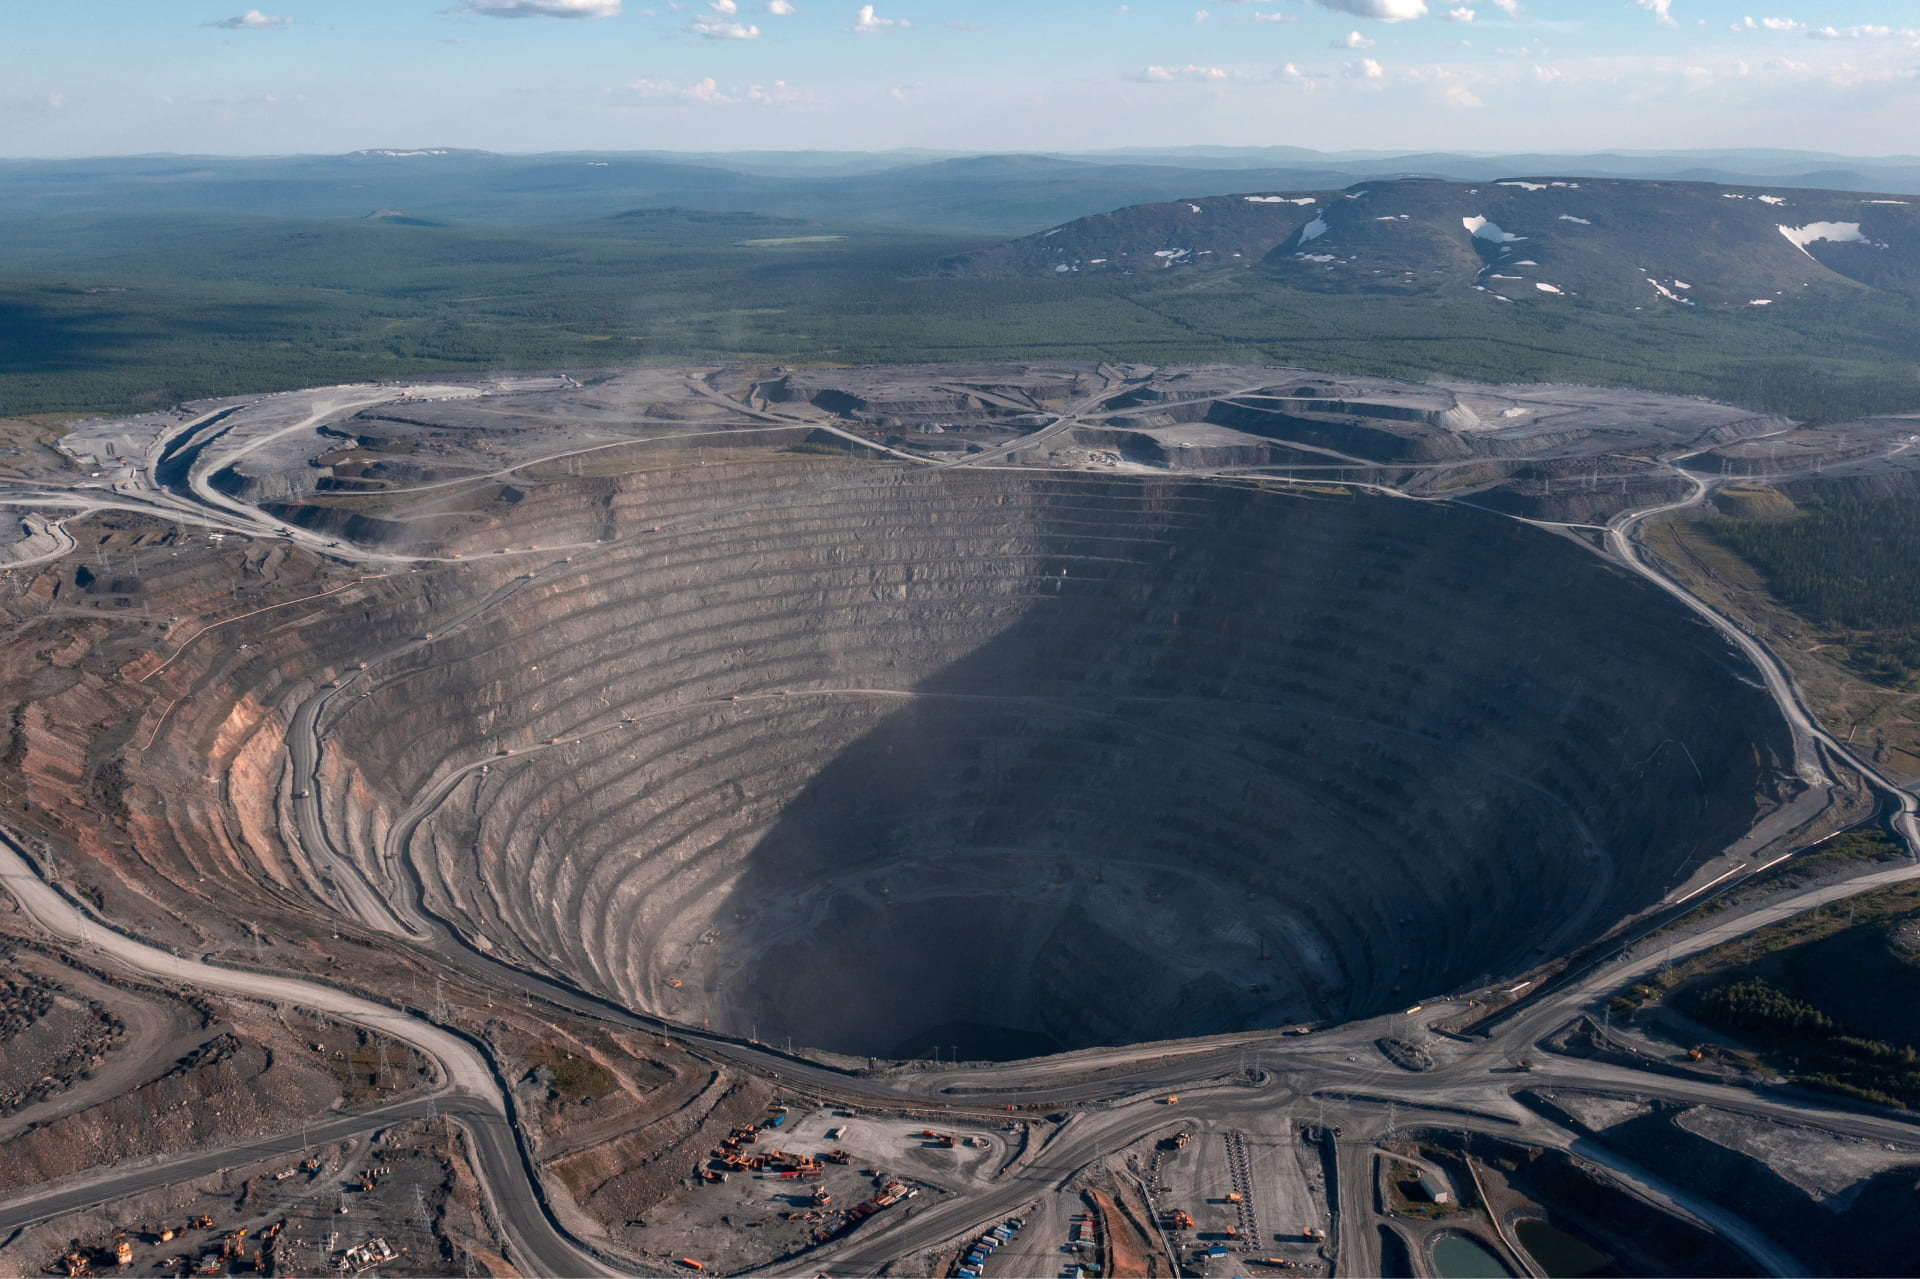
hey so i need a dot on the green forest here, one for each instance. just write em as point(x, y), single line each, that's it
point(120, 313)
point(1846, 564)
point(1818, 1050)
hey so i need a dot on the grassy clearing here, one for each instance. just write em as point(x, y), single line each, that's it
point(575, 1077)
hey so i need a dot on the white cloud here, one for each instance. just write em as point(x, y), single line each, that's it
point(1167, 75)
point(1463, 97)
point(1199, 15)
point(725, 8)
point(538, 8)
point(1861, 33)
point(1364, 69)
point(1379, 10)
point(781, 8)
point(721, 29)
point(251, 20)
point(865, 23)
point(1661, 11)
point(709, 92)
point(1769, 24)
point(1351, 40)
point(779, 93)
point(1460, 14)
point(1509, 7)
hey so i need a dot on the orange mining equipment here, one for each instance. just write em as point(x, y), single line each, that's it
point(1182, 1221)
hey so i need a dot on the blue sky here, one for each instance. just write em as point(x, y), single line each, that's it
point(99, 77)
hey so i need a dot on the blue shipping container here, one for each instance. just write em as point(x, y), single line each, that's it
point(777, 1121)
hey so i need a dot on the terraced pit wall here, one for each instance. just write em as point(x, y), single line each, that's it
point(1111, 759)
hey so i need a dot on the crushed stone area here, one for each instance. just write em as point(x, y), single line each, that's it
point(1825, 1165)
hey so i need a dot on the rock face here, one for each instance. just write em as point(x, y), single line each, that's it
point(1108, 759)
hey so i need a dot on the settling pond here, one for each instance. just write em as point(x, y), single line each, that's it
point(1458, 1257)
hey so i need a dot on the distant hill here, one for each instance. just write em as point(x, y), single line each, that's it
point(1618, 243)
point(984, 195)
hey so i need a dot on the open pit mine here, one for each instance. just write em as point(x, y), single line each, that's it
point(773, 728)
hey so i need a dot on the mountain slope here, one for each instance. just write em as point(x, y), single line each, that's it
point(1622, 244)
